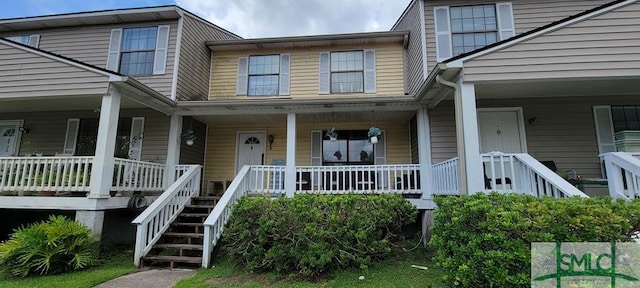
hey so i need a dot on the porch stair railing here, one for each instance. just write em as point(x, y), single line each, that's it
point(214, 224)
point(623, 174)
point(513, 172)
point(156, 219)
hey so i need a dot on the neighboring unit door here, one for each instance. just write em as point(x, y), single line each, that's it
point(501, 130)
point(251, 148)
point(9, 137)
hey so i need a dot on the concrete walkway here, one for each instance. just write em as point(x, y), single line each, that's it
point(164, 278)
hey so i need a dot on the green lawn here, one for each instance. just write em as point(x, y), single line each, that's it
point(395, 272)
point(115, 266)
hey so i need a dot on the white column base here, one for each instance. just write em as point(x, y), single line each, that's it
point(94, 220)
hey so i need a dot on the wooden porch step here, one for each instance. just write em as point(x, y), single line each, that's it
point(194, 214)
point(179, 246)
point(200, 206)
point(182, 234)
point(207, 198)
point(178, 259)
point(187, 224)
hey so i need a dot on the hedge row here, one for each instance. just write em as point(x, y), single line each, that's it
point(309, 235)
point(484, 240)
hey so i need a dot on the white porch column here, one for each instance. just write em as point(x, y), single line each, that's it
point(424, 152)
point(290, 170)
point(471, 171)
point(173, 148)
point(94, 220)
point(102, 168)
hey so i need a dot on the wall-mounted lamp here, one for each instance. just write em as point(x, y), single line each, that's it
point(189, 137)
point(23, 130)
point(532, 120)
point(271, 138)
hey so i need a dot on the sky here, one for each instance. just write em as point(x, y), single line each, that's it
point(247, 18)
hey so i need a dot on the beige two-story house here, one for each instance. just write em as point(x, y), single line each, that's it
point(86, 109)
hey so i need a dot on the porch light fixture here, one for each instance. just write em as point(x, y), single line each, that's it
point(332, 134)
point(23, 130)
point(373, 134)
point(271, 138)
point(189, 136)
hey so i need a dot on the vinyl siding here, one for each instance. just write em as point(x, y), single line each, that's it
point(414, 74)
point(89, 44)
point(527, 15)
point(606, 45)
point(568, 138)
point(195, 58)
point(25, 74)
point(304, 71)
point(221, 151)
point(47, 131)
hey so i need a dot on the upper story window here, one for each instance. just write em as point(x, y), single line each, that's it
point(347, 72)
point(462, 29)
point(31, 40)
point(263, 75)
point(139, 51)
point(473, 27)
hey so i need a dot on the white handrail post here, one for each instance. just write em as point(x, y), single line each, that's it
point(290, 172)
point(102, 169)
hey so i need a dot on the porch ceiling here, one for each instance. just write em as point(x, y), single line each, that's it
point(70, 103)
point(319, 117)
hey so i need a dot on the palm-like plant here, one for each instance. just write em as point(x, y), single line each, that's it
point(49, 247)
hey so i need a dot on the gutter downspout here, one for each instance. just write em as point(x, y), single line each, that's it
point(462, 167)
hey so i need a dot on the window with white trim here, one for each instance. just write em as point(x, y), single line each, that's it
point(625, 118)
point(462, 29)
point(31, 40)
point(473, 27)
point(263, 75)
point(138, 50)
point(347, 72)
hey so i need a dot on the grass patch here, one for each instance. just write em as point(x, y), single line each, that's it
point(113, 267)
point(394, 272)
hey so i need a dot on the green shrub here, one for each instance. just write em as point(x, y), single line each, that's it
point(49, 247)
point(484, 240)
point(310, 235)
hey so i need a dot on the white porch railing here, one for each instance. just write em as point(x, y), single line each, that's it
point(132, 175)
point(45, 173)
point(73, 173)
point(623, 174)
point(214, 224)
point(516, 173)
point(445, 177)
point(155, 220)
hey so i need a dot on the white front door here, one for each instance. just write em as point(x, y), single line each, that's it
point(251, 148)
point(501, 129)
point(9, 137)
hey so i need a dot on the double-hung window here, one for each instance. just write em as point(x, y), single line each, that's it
point(347, 72)
point(462, 29)
point(139, 51)
point(263, 75)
